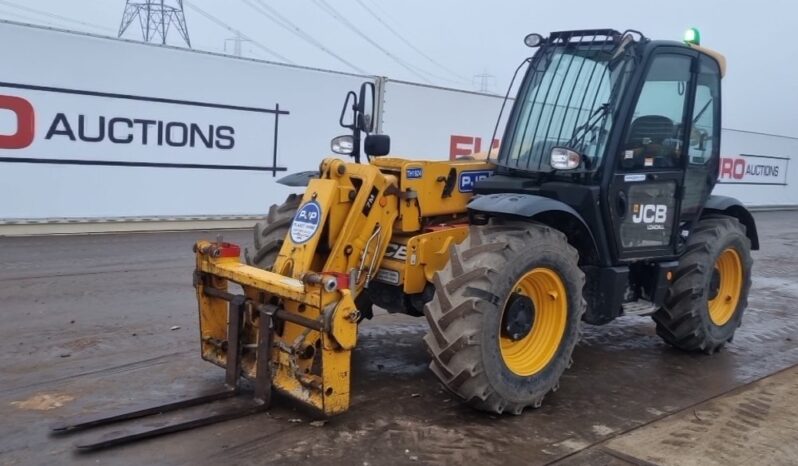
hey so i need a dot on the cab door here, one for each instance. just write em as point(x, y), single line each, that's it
point(703, 146)
point(644, 194)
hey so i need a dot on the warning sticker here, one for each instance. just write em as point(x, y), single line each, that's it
point(306, 222)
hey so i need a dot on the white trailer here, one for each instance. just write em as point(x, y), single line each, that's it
point(98, 129)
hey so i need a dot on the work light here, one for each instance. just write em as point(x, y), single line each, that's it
point(533, 40)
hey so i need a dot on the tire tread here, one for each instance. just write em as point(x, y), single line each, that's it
point(455, 314)
point(682, 321)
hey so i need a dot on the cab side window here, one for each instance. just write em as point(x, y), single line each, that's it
point(706, 114)
point(654, 138)
point(703, 144)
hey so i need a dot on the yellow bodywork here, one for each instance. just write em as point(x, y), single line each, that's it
point(363, 209)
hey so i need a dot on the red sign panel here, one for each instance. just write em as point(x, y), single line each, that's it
point(26, 122)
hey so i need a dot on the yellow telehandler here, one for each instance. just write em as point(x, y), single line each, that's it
point(597, 204)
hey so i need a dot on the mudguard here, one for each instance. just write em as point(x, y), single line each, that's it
point(298, 179)
point(730, 206)
point(529, 206)
point(522, 205)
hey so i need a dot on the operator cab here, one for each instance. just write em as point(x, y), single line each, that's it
point(623, 130)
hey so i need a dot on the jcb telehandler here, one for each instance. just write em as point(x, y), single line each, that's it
point(598, 204)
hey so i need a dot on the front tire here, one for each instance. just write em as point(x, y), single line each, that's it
point(270, 233)
point(709, 292)
point(506, 316)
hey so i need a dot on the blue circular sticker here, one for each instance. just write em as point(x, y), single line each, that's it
point(306, 222)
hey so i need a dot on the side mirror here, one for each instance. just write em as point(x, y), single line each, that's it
point(377, 145)
point(361, 107)
point(366, 107)
point(564, 159)
point(344, 145)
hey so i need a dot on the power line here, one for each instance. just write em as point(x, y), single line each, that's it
point(31, 19)
point(385, 13)
point(408, 43)
point(285, 23)
point(275, 16)
point(54, 16)
point(341, 19)
point(430, 74)
point(224, 25)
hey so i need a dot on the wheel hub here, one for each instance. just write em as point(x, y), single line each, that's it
point(519, 318)
point(725, 286)
point(533, 321)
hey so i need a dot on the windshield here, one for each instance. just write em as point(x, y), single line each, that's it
point(567, 100)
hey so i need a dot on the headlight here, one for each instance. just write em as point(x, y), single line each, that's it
point(343, 145)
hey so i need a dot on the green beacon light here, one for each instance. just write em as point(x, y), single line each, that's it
point(692, 36)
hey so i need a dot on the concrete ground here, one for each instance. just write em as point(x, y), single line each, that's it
point(94, 324)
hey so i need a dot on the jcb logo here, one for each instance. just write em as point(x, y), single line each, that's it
point(396, 251)
point(649, 213)
point(22, 137)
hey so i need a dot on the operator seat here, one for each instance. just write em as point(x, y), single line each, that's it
point(646, 139)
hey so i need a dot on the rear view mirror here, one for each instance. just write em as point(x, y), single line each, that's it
point(366, 107)
point(377, 145)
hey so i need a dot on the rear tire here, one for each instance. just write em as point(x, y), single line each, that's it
point(270, 233)
point(691, 319)
point(468, 333)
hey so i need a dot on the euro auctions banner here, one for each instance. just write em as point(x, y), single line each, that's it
point(76, 126)
point(753, 169)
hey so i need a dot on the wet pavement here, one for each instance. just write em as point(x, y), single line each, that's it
point(95, 324)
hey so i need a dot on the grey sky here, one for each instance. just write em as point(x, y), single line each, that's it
point(466, 38)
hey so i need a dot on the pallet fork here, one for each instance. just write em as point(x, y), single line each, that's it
point(218, 265)
point(259, 402)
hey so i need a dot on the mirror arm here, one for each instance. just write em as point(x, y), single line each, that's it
point(356, 143)
point(349, 95)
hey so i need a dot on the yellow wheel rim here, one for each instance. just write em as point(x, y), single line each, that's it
point(730, 268)
point(533, 352)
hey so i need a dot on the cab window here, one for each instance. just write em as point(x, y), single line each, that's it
point(704, 142)
point(654, 137)
point(706, 114)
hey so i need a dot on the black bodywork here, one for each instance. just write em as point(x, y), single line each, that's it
point(629, 219)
